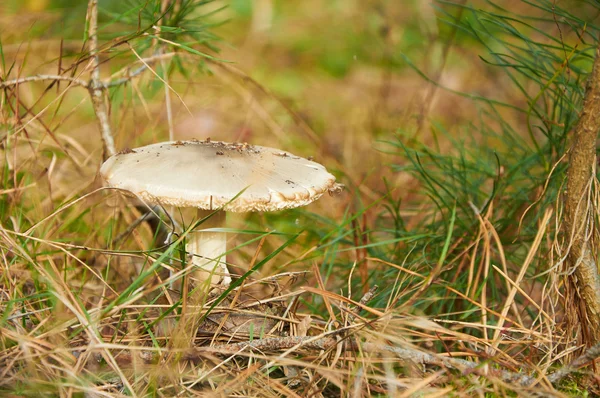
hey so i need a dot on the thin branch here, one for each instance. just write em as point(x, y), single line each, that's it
point(38, 78)
point(96, 88)
point(326, 342)
point(588, 356)
point(362, 303)
point(144, 217)
point(366, 298)
point(105, 84)
point(295, 343)
point(146, 62)
point(405, 354)
point(123, 80)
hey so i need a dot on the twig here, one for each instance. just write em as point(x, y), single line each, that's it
point(123, 80)
point(366, 298)
point(105, 84)
point(38, 78)
point(138, 71)
point(589, 355)
point(362, 303)
point(96, 88)
point(327, 343)
point(146, 216)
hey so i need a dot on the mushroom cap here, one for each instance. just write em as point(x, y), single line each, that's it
point(213, 174)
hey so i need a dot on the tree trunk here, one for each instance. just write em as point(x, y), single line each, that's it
point(583, 286)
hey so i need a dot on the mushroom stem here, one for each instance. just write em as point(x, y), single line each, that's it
point(208, 249)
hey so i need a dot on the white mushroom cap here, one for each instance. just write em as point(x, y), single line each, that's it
point(209, 174)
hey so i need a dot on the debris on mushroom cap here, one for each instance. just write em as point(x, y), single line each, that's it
point(213, 174)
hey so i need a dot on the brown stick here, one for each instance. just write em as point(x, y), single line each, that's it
point(327, 343)
point(407, 354)
point(588, 356)
point(584, 283)
point(96, 87)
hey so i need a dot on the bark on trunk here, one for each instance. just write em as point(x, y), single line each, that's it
point(583, 287)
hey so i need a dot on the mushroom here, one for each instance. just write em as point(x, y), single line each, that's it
point(216, 177)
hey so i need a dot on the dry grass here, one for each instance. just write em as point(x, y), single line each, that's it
point(71, 328)
point(66, 343)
